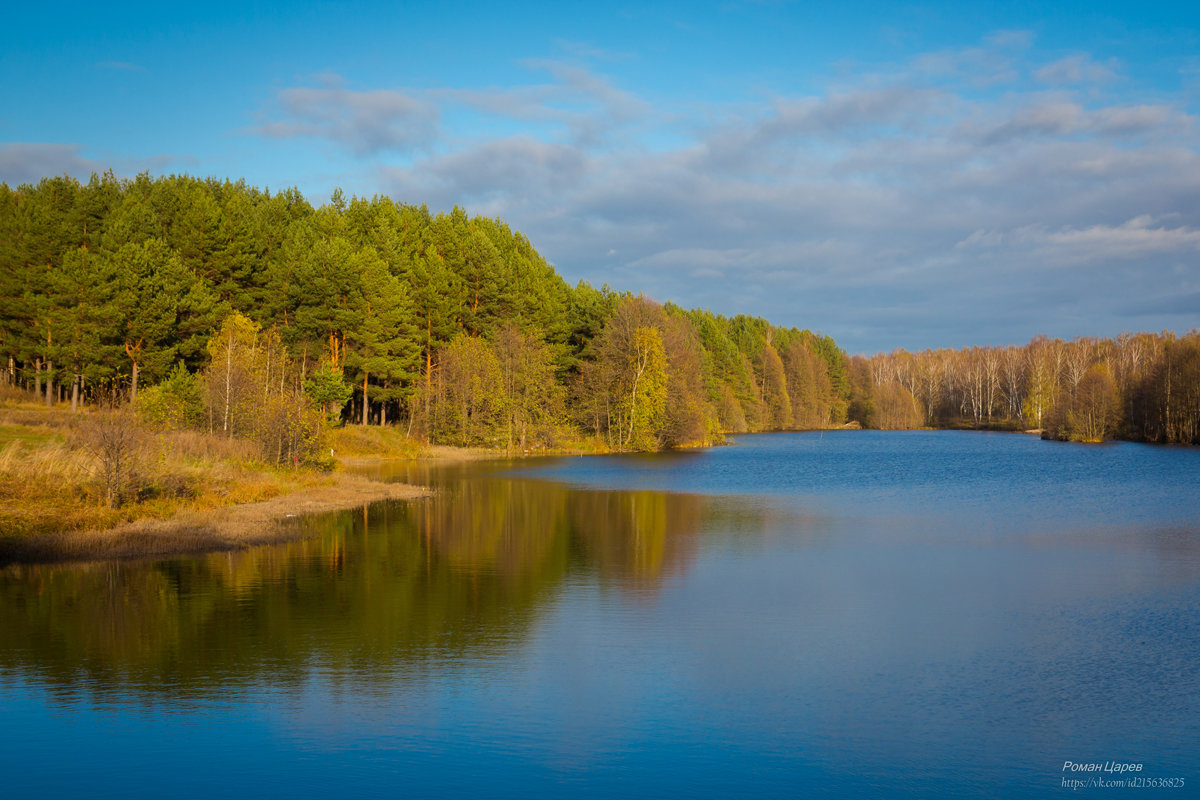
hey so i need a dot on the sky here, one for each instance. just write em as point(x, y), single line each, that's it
point(915, 175)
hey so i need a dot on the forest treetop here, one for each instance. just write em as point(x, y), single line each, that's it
point(381, 311)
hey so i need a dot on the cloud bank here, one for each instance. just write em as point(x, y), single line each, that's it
point(978, 195)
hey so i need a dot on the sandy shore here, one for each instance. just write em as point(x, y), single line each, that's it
point(219, 529)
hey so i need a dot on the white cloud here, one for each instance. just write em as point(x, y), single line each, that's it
point(916, 196)
point(1076, 69)
point(992, 63)
point(28, 162)
point(585, 50)
point(1137, 238)
point(1011, 39)
point(1139, 119)
point(843, 112)
point(363, 121)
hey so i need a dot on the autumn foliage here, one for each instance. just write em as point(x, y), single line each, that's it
point(1144, 387)
point(214, 306)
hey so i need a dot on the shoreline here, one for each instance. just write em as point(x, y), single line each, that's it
point(243, 525)
point(239, 526)
point(221, 529)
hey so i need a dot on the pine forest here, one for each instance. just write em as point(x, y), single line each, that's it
point(215, 306)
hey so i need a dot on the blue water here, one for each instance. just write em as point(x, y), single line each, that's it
point(843, 614)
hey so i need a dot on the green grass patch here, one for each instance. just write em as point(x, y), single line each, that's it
point(370, 441)
point(26, 434)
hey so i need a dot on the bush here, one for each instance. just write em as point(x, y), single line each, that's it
point(175, 404)
point(291, 430)
point(328, 389)
point(115, 440)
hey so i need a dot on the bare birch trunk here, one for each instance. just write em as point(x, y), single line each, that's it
point(228, 382)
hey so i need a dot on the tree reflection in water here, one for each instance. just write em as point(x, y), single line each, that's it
point(365, 596)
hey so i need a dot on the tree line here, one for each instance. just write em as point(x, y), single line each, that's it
point(1143, 387)
point(214, 305)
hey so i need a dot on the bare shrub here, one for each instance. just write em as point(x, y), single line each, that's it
point(114, 439)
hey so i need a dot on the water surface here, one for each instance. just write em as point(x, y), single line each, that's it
point(849, 614)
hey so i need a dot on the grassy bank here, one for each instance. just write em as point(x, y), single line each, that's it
point(359, 444)
point(180, 491)
point(192, 531)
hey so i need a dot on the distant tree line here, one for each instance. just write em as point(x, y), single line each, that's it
point(1144, 387)
point(213, 305)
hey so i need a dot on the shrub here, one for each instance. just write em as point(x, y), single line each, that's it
point(175, 404)
point(114, 439)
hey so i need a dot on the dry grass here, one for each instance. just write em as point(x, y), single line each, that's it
point(53, 500)
point(373, 441)
point(12, 395)
point(357, 444)
point(194, 445)
point(445, 452)
point(226, 528)
point(33, 414)
point(45, 486)
point(44, 458)
point(441, 452)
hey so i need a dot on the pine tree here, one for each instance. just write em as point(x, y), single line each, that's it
point(383, 345)
point(164, 309)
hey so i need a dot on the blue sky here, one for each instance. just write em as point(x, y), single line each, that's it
point(895, 175)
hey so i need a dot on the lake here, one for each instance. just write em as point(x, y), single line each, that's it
point(813, 614)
